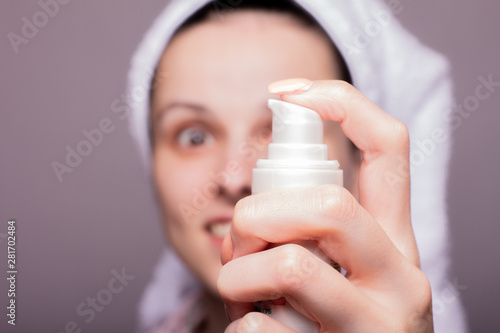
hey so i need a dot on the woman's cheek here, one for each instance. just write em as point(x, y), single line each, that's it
point(181, 181)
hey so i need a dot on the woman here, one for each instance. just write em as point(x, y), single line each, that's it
point(208, 123)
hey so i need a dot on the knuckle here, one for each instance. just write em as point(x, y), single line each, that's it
point(344, 88)
point(419, 310)
point(401, 134)
point(335, 201)
point(295, 266)
point(423, 291)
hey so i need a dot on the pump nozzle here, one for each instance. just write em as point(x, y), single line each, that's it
point(297, 155)
point(295, 124)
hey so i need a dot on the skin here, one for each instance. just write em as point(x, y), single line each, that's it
point(211, 123)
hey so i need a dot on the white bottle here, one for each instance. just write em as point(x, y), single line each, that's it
point(297, 156)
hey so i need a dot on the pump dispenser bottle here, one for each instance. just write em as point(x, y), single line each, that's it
point(297, 156)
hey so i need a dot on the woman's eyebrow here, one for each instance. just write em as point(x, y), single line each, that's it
point(183, 105)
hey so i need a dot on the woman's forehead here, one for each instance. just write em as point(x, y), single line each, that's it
point(248, 43)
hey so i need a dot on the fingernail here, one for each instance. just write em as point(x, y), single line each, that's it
point(290, 86)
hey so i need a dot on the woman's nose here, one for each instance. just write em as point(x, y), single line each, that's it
point(235, 179)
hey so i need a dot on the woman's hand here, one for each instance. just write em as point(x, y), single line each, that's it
point(384, 289)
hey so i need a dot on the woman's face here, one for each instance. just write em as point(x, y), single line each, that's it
point(211, 122)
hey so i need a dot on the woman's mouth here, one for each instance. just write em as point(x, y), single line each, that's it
point(219, 229)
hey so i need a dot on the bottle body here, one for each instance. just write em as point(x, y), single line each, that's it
point(297, 157)
point(269, 179)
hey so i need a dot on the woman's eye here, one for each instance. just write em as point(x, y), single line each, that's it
point(194, 137)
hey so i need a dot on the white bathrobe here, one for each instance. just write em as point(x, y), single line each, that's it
point(389, 66)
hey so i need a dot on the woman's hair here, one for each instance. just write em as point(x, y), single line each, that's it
point(218, 8)
point(221, 8)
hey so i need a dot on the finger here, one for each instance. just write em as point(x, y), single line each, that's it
point(327, 214)
point(255, 322)
point(310, 285)
point(384, 188)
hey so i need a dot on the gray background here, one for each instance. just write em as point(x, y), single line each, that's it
point(71, 235)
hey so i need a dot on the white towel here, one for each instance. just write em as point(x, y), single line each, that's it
point(393, 69)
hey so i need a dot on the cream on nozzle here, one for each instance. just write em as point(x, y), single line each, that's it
point(297, 156)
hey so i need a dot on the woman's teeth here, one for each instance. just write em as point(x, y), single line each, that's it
point(219, 229)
